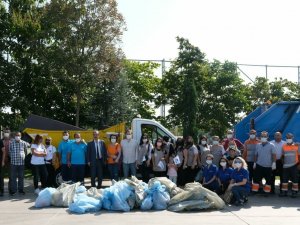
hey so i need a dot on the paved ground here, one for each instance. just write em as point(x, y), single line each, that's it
point(260, 210)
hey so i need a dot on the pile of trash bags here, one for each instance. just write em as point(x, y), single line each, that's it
point(159, 194)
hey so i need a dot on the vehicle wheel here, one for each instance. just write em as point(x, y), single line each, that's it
point(58, 177)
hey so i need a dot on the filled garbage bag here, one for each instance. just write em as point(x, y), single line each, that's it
point(64, 195)
point(157, 197)
point(83, 203)
point(194, 197)
point(116, 196)
point(139, 190)
point(44, 198)
point(171, 187)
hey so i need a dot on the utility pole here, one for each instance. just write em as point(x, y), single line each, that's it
point(163, 70)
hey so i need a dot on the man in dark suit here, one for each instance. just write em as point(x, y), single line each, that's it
point(96, 157)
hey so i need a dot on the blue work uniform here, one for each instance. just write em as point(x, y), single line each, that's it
point(208, 173)
point(78, 161)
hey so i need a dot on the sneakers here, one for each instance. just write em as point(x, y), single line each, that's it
point(37, 191)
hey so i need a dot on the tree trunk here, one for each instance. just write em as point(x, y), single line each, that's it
point(78, 99)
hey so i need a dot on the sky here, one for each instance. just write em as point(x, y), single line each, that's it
point(260, 32)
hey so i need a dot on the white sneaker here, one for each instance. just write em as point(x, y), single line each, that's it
point(37, 191)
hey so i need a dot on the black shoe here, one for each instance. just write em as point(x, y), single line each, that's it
point(12, 193)
point(237, 203)
point(22, 192)
point(245, 199)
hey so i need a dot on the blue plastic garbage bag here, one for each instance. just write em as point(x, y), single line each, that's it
point(116, 196)
point(44, 198)
point(83, 204)
point(160, 200)
point(147, 204)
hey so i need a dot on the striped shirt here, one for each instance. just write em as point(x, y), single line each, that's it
point(17, 152)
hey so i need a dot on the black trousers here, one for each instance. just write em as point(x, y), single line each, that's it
point(160, 173)
point(1, 178)
point(277, 172)
point(189, 174)
point(145, 172)
point(97, 171)
point(51, 176)
point(251, 171)
point(39, 173)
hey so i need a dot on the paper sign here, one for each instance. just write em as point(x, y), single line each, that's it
point(177, 160)
point(161, 165)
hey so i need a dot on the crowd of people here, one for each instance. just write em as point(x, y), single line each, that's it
point(220, 165)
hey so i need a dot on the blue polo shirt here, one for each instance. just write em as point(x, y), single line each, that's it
point(210, 172)
point(224, 174)
point(63, 148)
point(78, 153)
point(239, 175)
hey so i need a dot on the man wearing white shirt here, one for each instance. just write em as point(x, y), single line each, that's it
point(278, 142)
point(129, 151)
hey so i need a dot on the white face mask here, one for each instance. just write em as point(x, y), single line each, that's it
point(6, 135)
point(238, 165)
point(215, 142)
point(17, 138)
point(232, 146)
point(78, 140)
point(66, 137)
point(223, 164)
point(203, 142)
point(145, 141)
point(264, 139)
point(113, 140)
point(229, 136)
point(289, 141)
point(252, 136)
point(128, 136)
point(208, 161)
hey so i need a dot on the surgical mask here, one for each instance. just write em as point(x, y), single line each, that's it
point(223, 164)
point(78, 140)
point(113, 140)
point(289, 141)
point(264, 139)
point(238, 165)
point(203, 142)
point(128, 136)
point(145, 141)
point(17, 138)
point(252, 136)
point(215, 142)
point(6, 135)
point(66, 137)
point(208, 161)
point(229, 136)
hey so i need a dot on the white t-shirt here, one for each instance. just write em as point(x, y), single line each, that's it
point(38, 160)
point(50, 151)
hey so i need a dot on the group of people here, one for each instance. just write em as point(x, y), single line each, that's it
point(221, 166)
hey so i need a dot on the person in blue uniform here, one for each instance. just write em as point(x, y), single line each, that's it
point(224, 175)
point(210, 172)
point(239, 184)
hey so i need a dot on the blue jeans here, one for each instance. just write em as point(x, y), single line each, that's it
point(16, 172)
point(239, 193)
point(66, 172)
point(129, 167)
point(113, 171)
point(78, 173)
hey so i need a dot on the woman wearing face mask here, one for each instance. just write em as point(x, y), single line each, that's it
point(179, 153)
point(113, 157)
point(190, 153)
point(217, 150)
point(224, 175)
point(239, 184)
point(144, 157)
point(51, 150)
point(210, 172)
point(159, 159)
point(39, 168)
point(204, 150)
